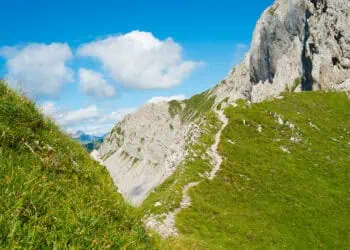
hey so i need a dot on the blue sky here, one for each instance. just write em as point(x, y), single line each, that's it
point(207, 39)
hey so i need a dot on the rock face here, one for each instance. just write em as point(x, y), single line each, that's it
point(297, 45)
point(144, 149)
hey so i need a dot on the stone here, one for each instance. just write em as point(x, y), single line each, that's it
point(297, 45)
point(143, 150)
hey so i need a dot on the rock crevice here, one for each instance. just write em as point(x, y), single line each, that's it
point(295, 39)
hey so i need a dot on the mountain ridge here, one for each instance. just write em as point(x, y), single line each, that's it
point(313, 46)
point(90, 142)
point(248, 164)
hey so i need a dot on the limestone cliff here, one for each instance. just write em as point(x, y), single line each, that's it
point(297, 45)
point(144, 149)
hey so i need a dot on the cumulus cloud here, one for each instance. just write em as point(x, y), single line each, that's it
point(91, 119)
point(103, 123)
point(140, 60)
point(78, 116)
point(93, 83)
point(38, 68)
point(157, 99)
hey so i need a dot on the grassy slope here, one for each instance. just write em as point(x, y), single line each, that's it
point(194, 108)
point(267, 199)
point(170, 192)
point(52, 195)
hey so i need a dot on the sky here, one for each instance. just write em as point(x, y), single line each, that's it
point(89, 63)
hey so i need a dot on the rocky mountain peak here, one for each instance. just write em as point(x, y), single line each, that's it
point(297, 45)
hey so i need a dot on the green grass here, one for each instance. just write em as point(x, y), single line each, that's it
point(272, 10)
point(295, 85)
point(197, 106)
point(170, 192)
point(174, 108)
point(264, 198)
point(52, 195)
point(194, 108)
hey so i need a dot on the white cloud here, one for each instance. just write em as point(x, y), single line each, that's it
point(78, 116)
point(93, 83)
point(38, 68)
point(157, 99)
point(241, 50)
point(91, 120)
point(104, 123)
point(140, 60)
point(116, 116)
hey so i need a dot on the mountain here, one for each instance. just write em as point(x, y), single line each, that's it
point(260, 160)
point(90, 142)
point(77, 134)
point(277, 177)
point(86, 138)
point(52, 194)
point(297, 45)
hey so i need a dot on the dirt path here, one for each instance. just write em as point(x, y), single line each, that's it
point(167, 227)
point(216, 158)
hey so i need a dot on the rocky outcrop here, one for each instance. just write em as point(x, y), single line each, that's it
point(297, 45)
point(144, 149)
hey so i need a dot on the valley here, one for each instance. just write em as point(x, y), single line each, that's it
point(259, 161)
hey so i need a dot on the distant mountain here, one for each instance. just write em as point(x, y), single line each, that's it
point(83, 137)
point(90, 142)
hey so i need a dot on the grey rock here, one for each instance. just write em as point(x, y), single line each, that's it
point(144, 149)
point(295, 41)
point(297, 45)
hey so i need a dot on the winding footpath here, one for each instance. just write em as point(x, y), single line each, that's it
point(167, 227)
point(216, 158)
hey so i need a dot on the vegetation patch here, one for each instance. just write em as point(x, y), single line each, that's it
point(170, 192)
point(272, 10)
point(109, 154)
point(52, 194)
point(135, 160)
point(274, 192)
point(125, 155)
point(196, 106)
point(295, 85)
point(174, 108)
point(118, 130)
